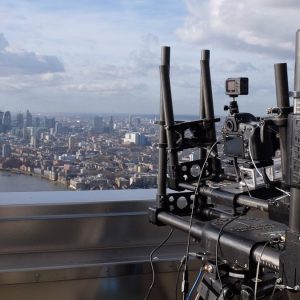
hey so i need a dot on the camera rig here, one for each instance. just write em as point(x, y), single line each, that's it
point(240, 207)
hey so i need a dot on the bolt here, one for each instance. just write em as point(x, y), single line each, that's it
point(279, 280)
point(208, 268)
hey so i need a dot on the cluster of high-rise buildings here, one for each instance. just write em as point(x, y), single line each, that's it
point(21, 121)
point(83, 152)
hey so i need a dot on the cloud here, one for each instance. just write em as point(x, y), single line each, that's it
point(261, 26)
point(106, 88)
point(25, 83)
point(3, 42)
point(231, 66)
point(22, 62)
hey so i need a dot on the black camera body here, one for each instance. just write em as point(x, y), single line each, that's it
point(244, 136)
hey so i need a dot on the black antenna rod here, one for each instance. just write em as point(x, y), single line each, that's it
point(283, 102)
point(207, 92)
point(162, 152)
point(169, 121)
point(205, 54)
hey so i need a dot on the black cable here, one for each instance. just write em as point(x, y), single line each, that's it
point(178, 274)
point(257, 269)
point(217, 247)
point(243, 178)
point(274, 289)
point(236, 169)
point(151, 262)
point(185, 272)
point(240, 174)
point(248, 190)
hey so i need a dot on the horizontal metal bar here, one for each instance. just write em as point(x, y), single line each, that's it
point(227, 196)
point(180, 223)
point(253, 202)
point(268, 257)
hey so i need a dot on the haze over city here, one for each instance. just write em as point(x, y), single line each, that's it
point(103, 56)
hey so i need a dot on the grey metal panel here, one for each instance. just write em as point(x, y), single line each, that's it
point(124, 287)
point(92, 222)
point(68, 197)
point(54, 240)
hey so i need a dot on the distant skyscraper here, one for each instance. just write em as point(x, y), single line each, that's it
point(111, 124)
point(50, 122)
point(6, 121)
point(6, 150)
point(137, 122)
point(98, 122)
point(28, 119)
point(1, 120)
point(130, 123)
point(58, 128)
point(72, 142)
point(34, 142)
point(37, 121)
point(136, 138)
point(98, 125)
point(20, 120)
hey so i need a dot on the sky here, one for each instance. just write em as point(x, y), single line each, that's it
point(103, 56)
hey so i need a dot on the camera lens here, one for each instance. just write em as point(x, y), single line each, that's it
point(229, 125)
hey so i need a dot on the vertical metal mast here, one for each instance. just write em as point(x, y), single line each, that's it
point(283, 102)
point(294, 127)
point(297, 75)
point(207, 92)
point(204, 57)
point(169, 123)
point(162, 153)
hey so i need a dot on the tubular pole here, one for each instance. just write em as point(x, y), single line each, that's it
point(229, 197)
point(205, 54)
point(294, 217)
point(207, 93)
point(269, 258)
point(169, 120)
point(162, 152)
point(282, 94)
point(297, 63)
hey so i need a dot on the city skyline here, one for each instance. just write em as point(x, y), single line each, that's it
point(81, 154)
point(90, 56)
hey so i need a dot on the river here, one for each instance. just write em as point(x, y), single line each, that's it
point(10, 182)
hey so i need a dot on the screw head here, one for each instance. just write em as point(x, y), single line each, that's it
point(208, 268)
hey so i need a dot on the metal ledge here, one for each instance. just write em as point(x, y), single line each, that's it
point(53, 237)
